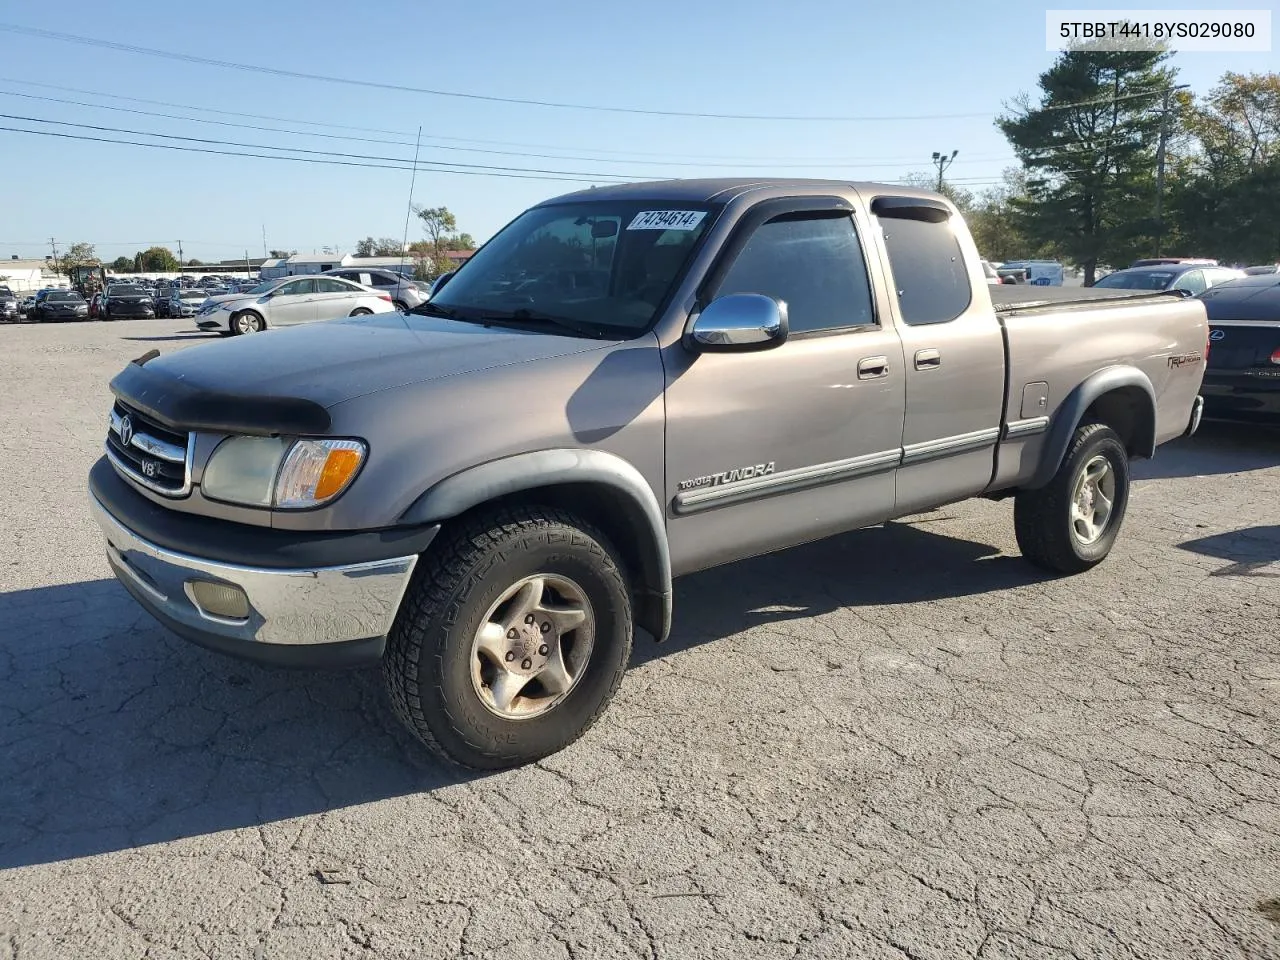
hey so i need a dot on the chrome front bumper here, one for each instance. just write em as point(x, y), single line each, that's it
point(290, 611)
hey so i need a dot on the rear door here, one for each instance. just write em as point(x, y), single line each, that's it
point(293, 303)
point(953, 350)
point(335, 298)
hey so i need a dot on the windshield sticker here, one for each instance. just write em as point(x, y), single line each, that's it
point(667, 220)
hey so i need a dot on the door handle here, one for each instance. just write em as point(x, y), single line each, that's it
point(928, 359)
point(869, 368)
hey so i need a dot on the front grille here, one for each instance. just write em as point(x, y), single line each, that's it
point(155, 456)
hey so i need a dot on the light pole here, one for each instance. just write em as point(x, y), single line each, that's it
point(942, 161)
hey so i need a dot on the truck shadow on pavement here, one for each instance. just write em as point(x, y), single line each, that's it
point(115, 734)
point(1247, 551)
point(1217, 447)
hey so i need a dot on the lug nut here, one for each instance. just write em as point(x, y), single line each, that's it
point(542, 650)
point(529, 618)
point(511, 655)
point(526, 663)
point(546, 627)
point(512, 634)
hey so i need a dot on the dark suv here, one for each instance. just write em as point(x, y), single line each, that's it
point(126, 300)
point(8, 305)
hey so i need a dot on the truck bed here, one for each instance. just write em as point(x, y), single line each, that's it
point(1010, 298)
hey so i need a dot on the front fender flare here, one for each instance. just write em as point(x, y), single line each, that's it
point(486, 482)
point(1072, 411)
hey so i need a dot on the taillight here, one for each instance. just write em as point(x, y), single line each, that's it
point(1207, 344)
point(386, 297)
point(1275, 356)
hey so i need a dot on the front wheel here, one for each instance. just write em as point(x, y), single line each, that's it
point(247, 322)
point(512, 638)
point(360, 312)
point(1071, 524)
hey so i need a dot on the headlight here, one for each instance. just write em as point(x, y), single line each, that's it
point(283, 473)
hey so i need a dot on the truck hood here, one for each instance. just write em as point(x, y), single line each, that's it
point(317, 365)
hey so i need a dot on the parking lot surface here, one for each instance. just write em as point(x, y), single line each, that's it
point(899, 743)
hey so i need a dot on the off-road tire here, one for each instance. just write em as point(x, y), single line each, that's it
point(427, 664)
point(1042, 518)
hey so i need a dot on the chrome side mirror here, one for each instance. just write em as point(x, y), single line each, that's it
point(739, 322)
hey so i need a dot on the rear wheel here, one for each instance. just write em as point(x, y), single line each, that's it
point(512, 637)
point(401, 306)
point(247, 322)
point(1071, 524)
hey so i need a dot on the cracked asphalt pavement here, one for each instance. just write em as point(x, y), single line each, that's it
point(899, 743)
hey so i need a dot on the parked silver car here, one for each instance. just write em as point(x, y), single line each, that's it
point(405, 293)
point(185, 301)
point(288, 301)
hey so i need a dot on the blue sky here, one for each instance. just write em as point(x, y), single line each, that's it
point(799, 57)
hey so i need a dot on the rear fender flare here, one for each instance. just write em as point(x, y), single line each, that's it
point(1072, 411)
point(491, 481)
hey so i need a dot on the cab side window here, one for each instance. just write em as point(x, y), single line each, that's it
point(928, 267)
point(1192, 281)
point(813, 264)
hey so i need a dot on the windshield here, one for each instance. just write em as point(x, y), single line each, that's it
point(262, 287)
point(193, 294)
point(126, 290)
point(58, 295)
point(609, 264)
point(1144, 280)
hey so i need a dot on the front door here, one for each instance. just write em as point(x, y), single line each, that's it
point(954, 351)
point(786, 445)
point(293, 303)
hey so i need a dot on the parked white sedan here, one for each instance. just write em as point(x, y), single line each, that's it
point(289, 301)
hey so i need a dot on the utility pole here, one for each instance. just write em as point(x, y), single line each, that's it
point(942, 161)
point(53, 243)
point(1160, 161)
point(264, 240)
point(179, 256)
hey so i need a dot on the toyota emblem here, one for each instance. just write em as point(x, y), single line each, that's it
point(1218, 335)
point(126, 430)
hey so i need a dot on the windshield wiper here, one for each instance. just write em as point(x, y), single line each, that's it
point(524, 314)
point(429, 309)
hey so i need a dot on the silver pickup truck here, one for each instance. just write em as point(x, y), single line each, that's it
point(624, 385)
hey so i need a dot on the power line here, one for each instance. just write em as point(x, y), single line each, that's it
point(784, 163)
point(339, 126)
point(402, 88)
point(270, 156)
point(582, 175)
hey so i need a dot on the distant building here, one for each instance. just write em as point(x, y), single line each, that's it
point(273, 269)
point(302, 264)
point(27, 276)
point(403, 264)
